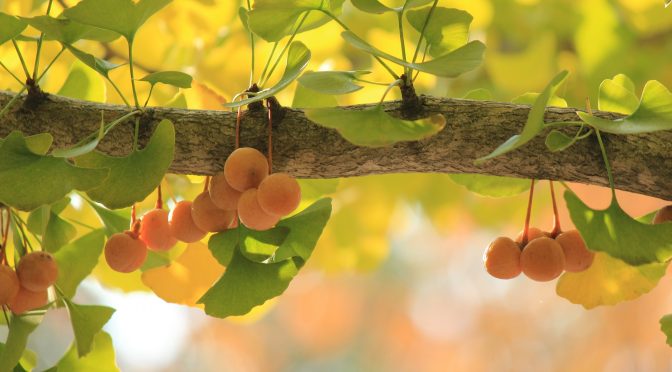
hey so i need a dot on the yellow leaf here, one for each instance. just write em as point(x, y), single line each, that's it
point(186, 279)
point(609, 281)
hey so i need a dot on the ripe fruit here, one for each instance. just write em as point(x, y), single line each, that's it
point(577, 256)
point(251, 214)
point(155, 231)
point(502, 258)
point(663, 215)
point(532, 234)
point(124, 252)
point(222, 194)
point(37, 271)
point(182, 225)
point(9, 284)
point(245, 168)
point(542, 259)
point(279, 194)
point(208, 217)
point(26, 300)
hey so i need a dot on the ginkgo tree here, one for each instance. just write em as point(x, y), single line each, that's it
point(113, 157)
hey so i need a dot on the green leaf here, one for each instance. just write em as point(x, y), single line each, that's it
point(57, 233)
point(247, 283)
point(244, 18)
point(83, 83)
point(452, 64)
point(666, 326)
point(175, 78)
point(492, 186)
point(122, 16)
point(113, 221)
point(373, 127)
point(312, 189)
point(272, 20)
point(223, 244)
point(135, 176)
point(38, 144)
point(297, 60)
point(99, 65)
point(618, 95)
point(534, 123)
point(376, 7)
point(447, 29)
point(84, 147)
point(68, 31)
point(10, 27)
point(332, 82)
point(100, 359)
point(609, 281)
point(77, 260)
point(307, 98)
point(479, 94)
point(654, 113)
point(28, 360)
point(557, 141)
point(256, 246)
point(37, 179)
point(87, 322)
point(614, 232)
point(531, 98)
point(20, 327)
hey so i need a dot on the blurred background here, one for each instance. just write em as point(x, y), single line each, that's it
point(397, 280)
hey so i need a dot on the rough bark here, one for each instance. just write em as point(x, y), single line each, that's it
point(641, 163)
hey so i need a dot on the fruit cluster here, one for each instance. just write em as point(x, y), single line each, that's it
point(542, 256)
point(244, 191)
point(26, 289)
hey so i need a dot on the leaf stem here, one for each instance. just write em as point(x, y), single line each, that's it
point(389, 88)
point(49, 65)
point(268, 61)
point(556, 215)
point(151, 89)
point(116, 88)
point(400, 18)
point(130, 64)
point(422, 32)
point(23, 62)
point(284, 49)
point(11, 102)
point(526, 229)
point(11, 73)
point(249, 7)
point(39, 46)
point(606, 162)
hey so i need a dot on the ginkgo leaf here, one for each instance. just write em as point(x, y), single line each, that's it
point(452, 64)
point(376, 7)
point(654, 113)
point(77, 260)
point(272, 20)
point(10, 27)
point(28, 171)
point(101, 358)
point(122, 16)
point(534, 123)
point(557, 141)
point(185, 280)
point(87, 321)
point(609, 281)
point(135, 176)
point(492, 186)
point(68, 31)
point(101, 66)
point(83, 83)
point(374, 127)
point(616, 233)
point(447, 29)
point(618, 95)
point(297, 60)
point(20, 327)
point(175, 78)
point(530, 98)
point(332, 82)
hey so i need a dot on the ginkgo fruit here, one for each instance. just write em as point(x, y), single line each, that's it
point(9, 284)
point(279, 194)
point(252, 215)
point(155, 230)
point(208, 217)
point(245, 169)
point(542, 259)
point(664, 214)
point(125, 252)
point(182, 224)
point(532, 233)
point(502, 258)
point(37, 271)
point(26, 300)
point(577, 256)
point(222, 194)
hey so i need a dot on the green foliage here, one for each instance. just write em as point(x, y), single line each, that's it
point(452, 64)
point(175, 78)
point(654, 112)
point(373, 127)
point(87, 322)
point(99, 65)
point(68, 31)
point(557, 141)
point(332, 82)
point(307, 98)
point(534, 123)
point(247, 282)
point(618, 95)
point(55, 231)
point(447, 29)
point(83, 83)
point(122, 16)
point(20, 327)
point(100, 359)
point(77, 260)
point(492, 186)
point(666, 327)
point(272, 20)
point(10, 27)
point(135, 176)
point(376, 7)
point(29, 171)
point(113, 221)
point(616, 233)
point(298, 57)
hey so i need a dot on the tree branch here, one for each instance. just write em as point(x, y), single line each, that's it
point(642, 163)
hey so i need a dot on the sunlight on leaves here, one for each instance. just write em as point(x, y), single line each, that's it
point(272, 20)
point(618, 95)
point(10, 27)
point(332, 82)
point(447, 29)
point(100, 359)
point(87, 322)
